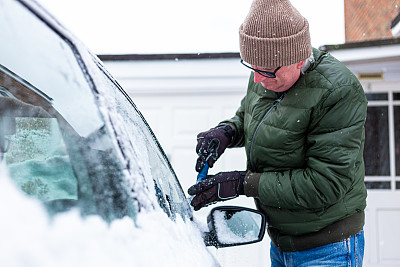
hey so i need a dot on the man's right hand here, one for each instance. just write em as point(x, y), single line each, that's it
point(211, 144)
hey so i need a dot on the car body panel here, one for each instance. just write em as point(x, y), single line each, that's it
point(58, 98)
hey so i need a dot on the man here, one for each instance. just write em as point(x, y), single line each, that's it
point(302, 126)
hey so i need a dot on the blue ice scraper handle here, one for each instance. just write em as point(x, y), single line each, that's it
point(212, 146)
point(203, 173)
point(201, 176)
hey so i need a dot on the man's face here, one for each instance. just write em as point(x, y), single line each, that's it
point(286, 76)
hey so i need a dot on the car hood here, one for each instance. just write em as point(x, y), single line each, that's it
point(67, 239)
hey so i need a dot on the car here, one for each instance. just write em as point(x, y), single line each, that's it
point(83, 179)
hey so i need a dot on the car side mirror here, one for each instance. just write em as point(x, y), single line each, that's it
point(234, 226)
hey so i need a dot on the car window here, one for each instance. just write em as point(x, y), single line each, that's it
point(37, 158)
point(53, 139)
point(155, 164)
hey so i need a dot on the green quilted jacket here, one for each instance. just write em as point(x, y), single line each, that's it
point(305, 147)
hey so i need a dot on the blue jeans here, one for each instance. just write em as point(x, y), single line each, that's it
point(348, 252)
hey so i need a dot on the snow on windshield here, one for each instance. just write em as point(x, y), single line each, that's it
point(34, 239)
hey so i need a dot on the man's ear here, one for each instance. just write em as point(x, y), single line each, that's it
point(300, 64)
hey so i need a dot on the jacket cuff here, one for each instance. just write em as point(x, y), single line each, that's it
point(250, 184)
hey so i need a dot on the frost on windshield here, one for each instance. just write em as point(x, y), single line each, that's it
point(237, 227)
point(38, 161)
point(32, 148)
point(151, 177)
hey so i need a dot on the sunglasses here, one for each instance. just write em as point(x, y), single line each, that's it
point(267, 74)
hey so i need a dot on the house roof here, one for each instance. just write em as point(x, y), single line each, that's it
point(128, 57)
point(367, 51)
point(347, 52)
point(363, 44)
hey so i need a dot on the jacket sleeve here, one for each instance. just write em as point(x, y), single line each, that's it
point(237, 123)
point(334, 151)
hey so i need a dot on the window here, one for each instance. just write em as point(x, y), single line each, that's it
point(382, 140)
point(52, 137)
point(396, 119)
point(377, 142)
point(36, 157)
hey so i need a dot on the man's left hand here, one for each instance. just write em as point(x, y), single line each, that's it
point(219, 187)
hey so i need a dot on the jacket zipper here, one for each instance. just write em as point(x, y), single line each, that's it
point(276, 102)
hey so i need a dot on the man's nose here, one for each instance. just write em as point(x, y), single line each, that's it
point(258, 77)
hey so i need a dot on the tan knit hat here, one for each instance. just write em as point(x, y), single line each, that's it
point(274, 34)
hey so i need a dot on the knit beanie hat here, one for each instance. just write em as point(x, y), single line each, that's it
point(274, 34)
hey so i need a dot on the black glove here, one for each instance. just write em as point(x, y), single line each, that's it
point(219, 187)
point(211, 144)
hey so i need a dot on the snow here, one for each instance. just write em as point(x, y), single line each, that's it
point(29, 237)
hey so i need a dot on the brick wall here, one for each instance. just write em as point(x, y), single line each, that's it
point(369, 19)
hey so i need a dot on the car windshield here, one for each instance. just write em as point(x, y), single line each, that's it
point(52, 137)
point(153, 163)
